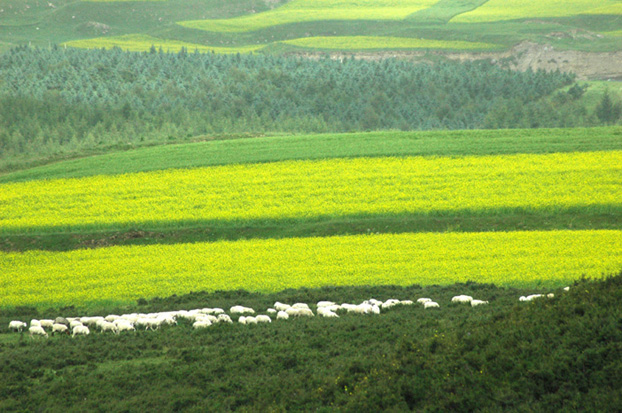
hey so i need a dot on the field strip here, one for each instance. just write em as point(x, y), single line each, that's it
point(299, 11)
point(495, 10)
point(312, 189)
point(143, 42)
point(381, 42)
point(536, 259)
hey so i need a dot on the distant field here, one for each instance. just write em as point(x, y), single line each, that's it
point(311, 189)
point(121, 274)
point(494, 10)
point(298, 11)
point(142, 43)
point(379, 42)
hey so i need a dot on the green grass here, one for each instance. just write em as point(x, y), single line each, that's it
point(371, 144)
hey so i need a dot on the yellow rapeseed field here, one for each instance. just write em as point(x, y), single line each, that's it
point(544, 259)
point(311, 189)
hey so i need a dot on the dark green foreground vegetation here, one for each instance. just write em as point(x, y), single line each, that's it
point(561, 354)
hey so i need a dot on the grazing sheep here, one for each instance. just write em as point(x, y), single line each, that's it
point(325, 304)
point(301, 306)
point(110, 318)
point(46, 323)
point(325, 312)
point(238, 309)
point(81, 331)
point(550, 295)
point(251, 320)
point(16, 325)
point(201, 324)
point(406, 302)
point(280, 306)
point(125, 326)
point(566, 288)
point(462, 299)
point(109, 327)
point(263, 319)
point(37, 331)
point(75, 323)
point(475, 303)
point(35, 323)
point(529, 297)
point(299, 312)
point(242, 320)
point(282, 315)
point(390, 303)
point(224, 318)
point(271, 310)
point(424, 300)
point(60, 328)
point(431, 304)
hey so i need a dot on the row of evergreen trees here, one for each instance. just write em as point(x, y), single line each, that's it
point(55, 100)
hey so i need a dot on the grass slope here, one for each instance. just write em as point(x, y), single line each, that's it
point(457, 359)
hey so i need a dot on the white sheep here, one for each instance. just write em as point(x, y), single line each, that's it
point(392, 302)
point(550, 295)
point(35, 323)
point(111, 317)
point(109, 327)
point(299, 312)
point(406, 302)
point(282, 315)
point(424, 300)
point(566, 288)
point(462, 299)
point(46, 323)
point(475, 303)
point(242, 320)
point(324, 304)
point(125, 326)
point(17, 325)
point(529, 297)
point(81, 330)
point(431, 304)
point(251, 320)
point(59, 328)
point(271, 311)
point(301, 306)
point(37, 331)
point(75, 323)
point(238, 309)
point(201, 324)
point(224, 318)
point(280, 306)
point(325, 312)
point(263, 319)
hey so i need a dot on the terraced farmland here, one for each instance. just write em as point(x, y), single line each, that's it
point(394, 201)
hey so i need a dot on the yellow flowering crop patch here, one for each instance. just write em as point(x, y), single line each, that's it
point(299, 11)
point(495, 10)
point(143, 42)
point(122, 273)
point(312, 189)
point(383, 42)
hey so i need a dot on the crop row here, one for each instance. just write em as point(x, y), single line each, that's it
point(494, 10)
point(528, 259)
point(383, 42)
point(312, 189)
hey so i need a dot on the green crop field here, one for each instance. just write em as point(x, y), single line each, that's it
point(380, 43)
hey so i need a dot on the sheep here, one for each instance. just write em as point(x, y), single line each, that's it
point(325, 312)
point(462, 299)
point(280, 306)
point(271, 311)
point(299, 312)
point(406, 302)
point(125, 326)
point(37, 331)
point(373, 301)
point(475, 303)
point(46, 323)
point(301, 306)
point(282, 315)
point(109, 327)
point(431, 304)
point(201, 324)
point(16, 325)
point(529, 297)
point(60, 328)
point(111, 317)
point(81, 331)
point(424, 300)
point(91, 321)
point(35, 323)
point(224, 318)
point(550, 295)
point(242, 320)
point(238, 309)
point(251, 320)
point(263, 319)
point(325, 304)
point(75, 323)
point(390, 303)
point(566, 288)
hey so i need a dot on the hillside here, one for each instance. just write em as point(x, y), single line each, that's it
point(584, 34)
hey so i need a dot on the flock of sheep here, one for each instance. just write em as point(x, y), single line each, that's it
point(205, 317)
